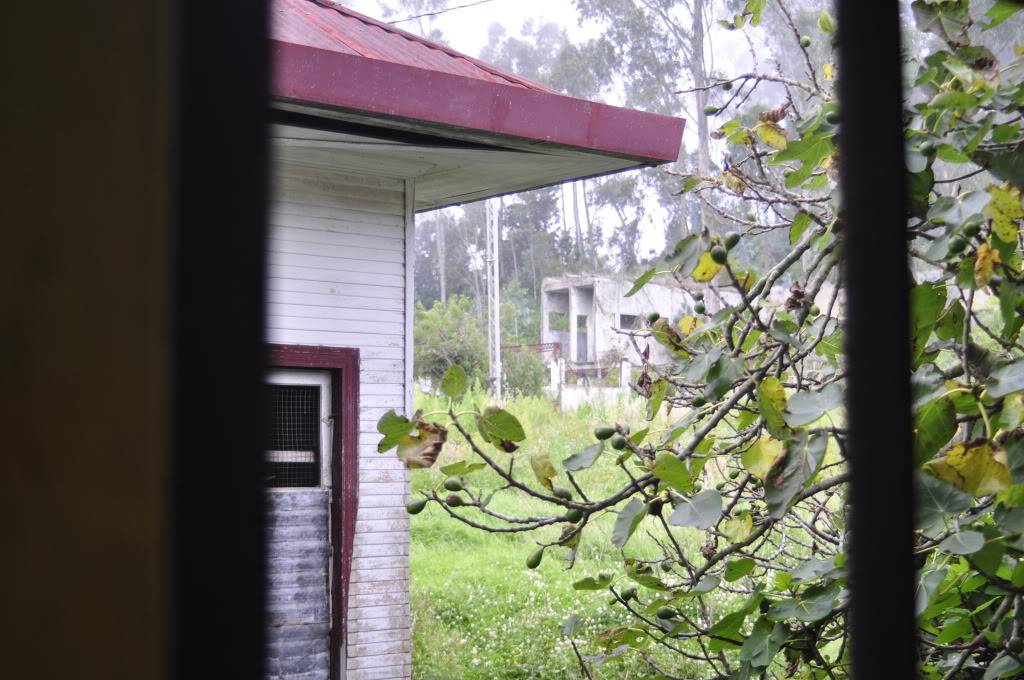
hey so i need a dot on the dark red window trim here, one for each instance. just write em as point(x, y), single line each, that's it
point(343, 365)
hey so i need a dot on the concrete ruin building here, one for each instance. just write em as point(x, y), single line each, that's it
point(583, 315)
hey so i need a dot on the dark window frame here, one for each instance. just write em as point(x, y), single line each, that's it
point(342, 363)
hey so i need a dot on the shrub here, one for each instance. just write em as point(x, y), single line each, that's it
point(525, 374)
point(449, 334)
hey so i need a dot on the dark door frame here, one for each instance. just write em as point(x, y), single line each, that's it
point(343, 365)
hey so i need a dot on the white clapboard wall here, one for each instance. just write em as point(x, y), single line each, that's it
point(337, 277)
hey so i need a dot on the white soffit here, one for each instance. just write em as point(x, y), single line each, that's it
point(447, 172)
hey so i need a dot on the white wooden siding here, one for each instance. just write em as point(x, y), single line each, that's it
point(337, 254)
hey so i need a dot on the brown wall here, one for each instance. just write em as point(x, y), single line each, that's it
point(84, 340)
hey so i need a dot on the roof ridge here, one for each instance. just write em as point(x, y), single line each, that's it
point(490, 68)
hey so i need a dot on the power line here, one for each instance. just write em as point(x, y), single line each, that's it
point(440, 11)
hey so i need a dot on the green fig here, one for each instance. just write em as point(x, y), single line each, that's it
point(957, 245)
point(719, 255)
point(727, 85)
point(971, 229)
point(1015, 644)
point(416, 507)
point(653, 317)
point(618, 442)
point(731, 239)
point(832, 117)
point(453, 484)
point(733, 474)
point(628, 593)
point(711, 110)
point(698, 295)
point(805, 41)
point(573, 515)
point(454, 500)
point(698, 402)
point(603, 432)
point(665, 613)
point(533, 561)
point(563, 493)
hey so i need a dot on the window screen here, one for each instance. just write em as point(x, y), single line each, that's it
point(294, 455)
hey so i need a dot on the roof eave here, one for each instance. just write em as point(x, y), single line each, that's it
point(438, 101)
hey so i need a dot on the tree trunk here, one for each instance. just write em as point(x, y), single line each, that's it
point(441, 263)
point(700, 81)
point(581, 246)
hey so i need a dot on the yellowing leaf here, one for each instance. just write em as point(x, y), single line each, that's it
point(771, 398)
point(669, 337)
point(829, 71)
point(987, 259)
point(771, 134)
point(975, 468)
point(745, 278)
point(706, 268)
point(1012, 497)
point(543, 469)
point(733, 181)
point(688, 324)
point(1005, 210)
point(759, 459)
point(1013, 411)
point(738, 528)
point(421, 450)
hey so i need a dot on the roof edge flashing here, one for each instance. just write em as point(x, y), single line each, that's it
point(442, 102)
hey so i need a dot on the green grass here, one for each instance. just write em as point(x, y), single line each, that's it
point(479, 613)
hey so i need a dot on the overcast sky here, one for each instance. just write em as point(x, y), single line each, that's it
point(466, 31)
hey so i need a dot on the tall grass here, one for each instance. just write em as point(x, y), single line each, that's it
point(479, 613)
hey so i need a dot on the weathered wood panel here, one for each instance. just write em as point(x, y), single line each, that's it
point(337, 276)
point(298, 605)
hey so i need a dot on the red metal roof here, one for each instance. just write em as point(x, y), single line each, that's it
point(330, 26)
point(326, 55)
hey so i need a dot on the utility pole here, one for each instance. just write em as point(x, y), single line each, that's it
point(493, 294)
point(441, 259)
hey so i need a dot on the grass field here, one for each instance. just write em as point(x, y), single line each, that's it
point(479, 613)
